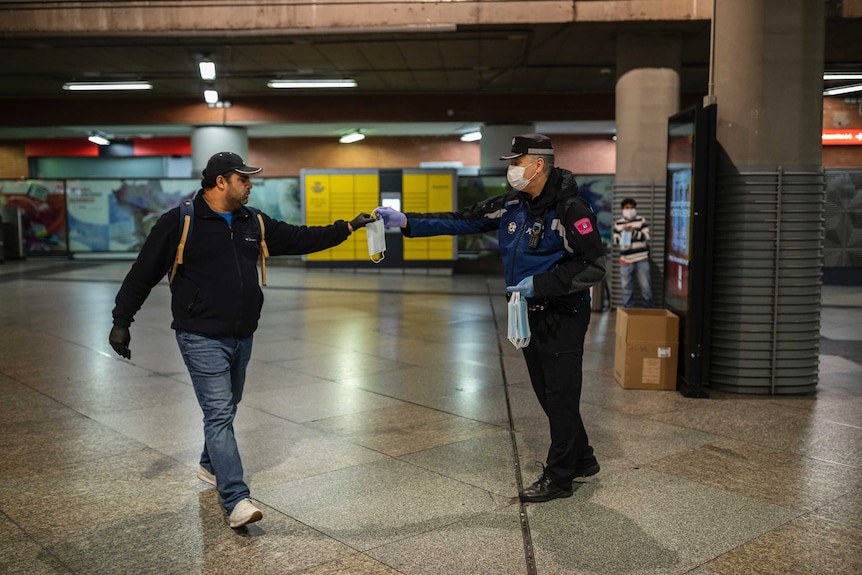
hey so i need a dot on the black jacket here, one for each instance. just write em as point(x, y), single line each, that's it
point(215, 292)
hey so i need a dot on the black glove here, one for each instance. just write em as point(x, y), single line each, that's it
point(361, 221)
point(119, 340)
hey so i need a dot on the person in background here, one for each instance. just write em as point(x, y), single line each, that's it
point(552, 253)
point(631, 233)
point(216, 303)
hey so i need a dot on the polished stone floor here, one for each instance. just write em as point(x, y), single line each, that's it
point(385, 427)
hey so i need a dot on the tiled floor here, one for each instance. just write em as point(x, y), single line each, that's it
point(375, 434)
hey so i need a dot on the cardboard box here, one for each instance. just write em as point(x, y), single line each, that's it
point(647, 348)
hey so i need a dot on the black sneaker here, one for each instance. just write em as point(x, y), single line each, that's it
point(543, 490)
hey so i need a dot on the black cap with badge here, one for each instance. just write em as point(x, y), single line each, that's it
point(530, 145)
point(225, 162)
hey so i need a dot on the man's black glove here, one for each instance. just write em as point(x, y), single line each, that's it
point(119, 340)
point(361, 221)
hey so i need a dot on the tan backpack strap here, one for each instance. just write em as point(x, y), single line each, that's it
point(264, 251)
point(178, 260)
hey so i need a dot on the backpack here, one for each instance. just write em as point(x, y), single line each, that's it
point(187, 216)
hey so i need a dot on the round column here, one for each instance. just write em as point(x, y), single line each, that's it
point(647, 93)
point(769, 199)
point(209, 140)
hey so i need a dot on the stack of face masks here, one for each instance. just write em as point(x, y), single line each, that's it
point(626, 239)
point(519, 324)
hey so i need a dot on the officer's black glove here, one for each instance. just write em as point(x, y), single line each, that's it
point(361, 221)
point(119, 340)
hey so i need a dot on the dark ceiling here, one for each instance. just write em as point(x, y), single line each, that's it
point(569, 60)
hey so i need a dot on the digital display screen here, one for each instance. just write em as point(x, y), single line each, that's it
point(691, 156)
point(679, 234)
point(679, 210)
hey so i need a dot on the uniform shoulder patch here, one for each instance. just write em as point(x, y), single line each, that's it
point(584, 226)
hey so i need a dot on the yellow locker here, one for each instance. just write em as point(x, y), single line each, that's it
point(317, 207)
point(366, 197)
point(341, 208)
point(414, 198)
point(428, 192)
point(340, 195)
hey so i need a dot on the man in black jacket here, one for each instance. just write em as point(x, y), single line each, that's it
point(216, 303)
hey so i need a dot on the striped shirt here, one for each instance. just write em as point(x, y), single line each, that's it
point(638, 250)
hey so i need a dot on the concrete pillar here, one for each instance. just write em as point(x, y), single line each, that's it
point(209, 140)
point(647, 93)
point(496, 141)
point(769, 200)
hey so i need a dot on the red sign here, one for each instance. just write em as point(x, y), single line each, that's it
point(842, 137)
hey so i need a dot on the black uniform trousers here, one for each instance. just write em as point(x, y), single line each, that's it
point(555, 363)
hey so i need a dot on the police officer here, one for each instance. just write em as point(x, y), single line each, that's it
point(552, 254)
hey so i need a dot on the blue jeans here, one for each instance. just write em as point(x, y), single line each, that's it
point(641, 270)
point(217, 368)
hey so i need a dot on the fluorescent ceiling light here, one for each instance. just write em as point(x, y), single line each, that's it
point(207, 70)
point(210, 96)
point(471, 137)
point(843, 90)
point(842, 75)
point(96, 139)
point(352, 137)
point(334, 83)
point(102, 86)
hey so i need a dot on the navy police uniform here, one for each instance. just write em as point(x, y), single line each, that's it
point(554, 238)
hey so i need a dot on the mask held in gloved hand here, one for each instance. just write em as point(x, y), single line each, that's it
point(376, 240)
point(525, 287)
point(391, 218)
point(519, 322)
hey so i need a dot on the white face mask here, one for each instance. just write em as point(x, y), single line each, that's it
point(629, 213)
point(376, 240)
point(515, 176)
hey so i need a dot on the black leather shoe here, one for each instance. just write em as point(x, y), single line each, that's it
point(587, 469)
point(543, 490)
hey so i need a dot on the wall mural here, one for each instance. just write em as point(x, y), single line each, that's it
point(596, 189)
point(843, 242)
point(59, 217)
point(42, 205)
point(107, 215)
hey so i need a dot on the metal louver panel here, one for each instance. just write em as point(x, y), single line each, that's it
point(768, 254)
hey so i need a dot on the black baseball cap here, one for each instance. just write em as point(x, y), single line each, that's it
point(530, 145)
point(225, 162)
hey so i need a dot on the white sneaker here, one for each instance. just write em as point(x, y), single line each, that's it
point(206, 476)
point(245, 512)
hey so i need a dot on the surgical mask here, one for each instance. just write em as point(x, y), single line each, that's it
point(629, 213)
point(376, 240)
point(515, 176)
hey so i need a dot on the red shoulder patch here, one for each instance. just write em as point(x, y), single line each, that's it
point(584, 226)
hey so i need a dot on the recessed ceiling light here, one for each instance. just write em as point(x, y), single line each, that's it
point(207, 70)
point(210, 96)
point(106, 86)
point(99, 140)
point(310, 83)
point(351, 137)
point(842, 75)
point(843, 90)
